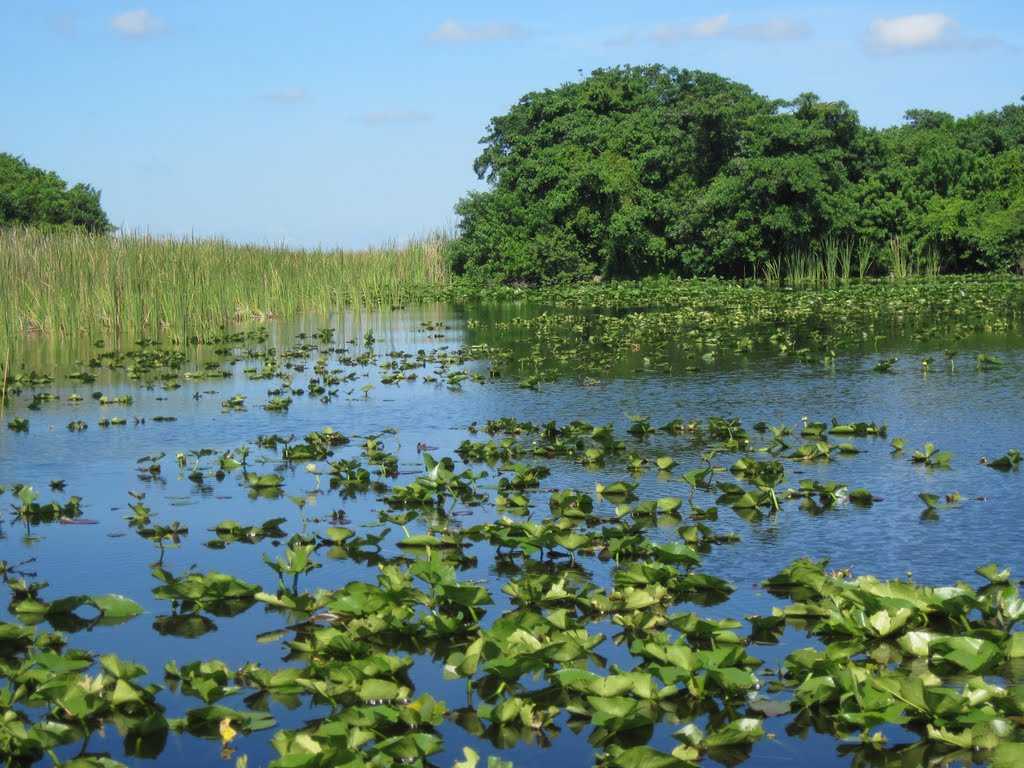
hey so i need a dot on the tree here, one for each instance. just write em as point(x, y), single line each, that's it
point(587, 178)
point(32, 196)
point(788, 186)
point(635, 171)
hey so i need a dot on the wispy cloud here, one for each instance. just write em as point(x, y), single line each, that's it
point(722, 26)
point(772, 30)
point(452, 31)
point(623, 38)
point(698, 30)
point(294, 95)
point(923, 32)
point(914, 32)
point(137, 24)
point(394, 116)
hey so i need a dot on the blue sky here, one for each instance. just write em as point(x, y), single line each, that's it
point(347, 124)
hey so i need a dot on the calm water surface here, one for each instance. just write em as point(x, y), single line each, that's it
point(973, 413)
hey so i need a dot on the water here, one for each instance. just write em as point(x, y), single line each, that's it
point(973, 413)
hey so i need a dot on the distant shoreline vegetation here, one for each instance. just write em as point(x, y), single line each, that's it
point(32, 196)
point(630, 173)
point(638, 171)
point(67, 282)
point(70, 284)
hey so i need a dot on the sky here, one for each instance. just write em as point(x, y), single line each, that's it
point(345, 124)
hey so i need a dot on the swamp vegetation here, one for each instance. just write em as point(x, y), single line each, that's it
point(305, 509)
point(67, 283)
point(638, 171)
point(664, 523)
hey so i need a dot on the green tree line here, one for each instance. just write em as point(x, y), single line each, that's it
point(636, 171)
point(33, 197)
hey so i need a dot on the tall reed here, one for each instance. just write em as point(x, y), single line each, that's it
point(865, 259)
point(832, 261)
point(3, 380)
point(929, 264)
point(62, 283)
point(771, 271)
point(901, 264)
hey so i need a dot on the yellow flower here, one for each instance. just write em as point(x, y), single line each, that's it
point(227, 733)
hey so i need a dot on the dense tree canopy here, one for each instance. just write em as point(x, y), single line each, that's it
point(30, 195)
point(645, 170)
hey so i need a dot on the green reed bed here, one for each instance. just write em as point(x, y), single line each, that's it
point(65, 283)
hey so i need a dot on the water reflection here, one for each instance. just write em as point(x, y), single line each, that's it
point(967, 410)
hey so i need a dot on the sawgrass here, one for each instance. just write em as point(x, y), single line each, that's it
point(63, 283)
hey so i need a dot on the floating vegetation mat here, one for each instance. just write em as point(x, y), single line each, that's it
point(571, 532)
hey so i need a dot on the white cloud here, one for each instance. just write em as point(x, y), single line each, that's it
point(922, 32)
point(910, 33)
point(721, 26)
point(698, 30)
point(452, 31)
point(712, 27)
point(288, 95)
point(136, 24)
point(772, 30)
point(396, 116)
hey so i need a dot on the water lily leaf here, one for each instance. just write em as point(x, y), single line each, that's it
point(689, 755)
point(994, 574)
point(410, 747)
point(1008, 755)
point(646, 757)
point(116, 606)
point(770, 707)
point(669, 504)
point(611, 707)
point(1010, 460)
point(205, 721)
point(263, 481)
point(676, 552)
point(917, 643)
point(732, 678)
point(1015, 646)
point(886, 621)
point(125, 693)
point(969, 653)
point(610, 686)
point(376, 689)
point(862, 496)
point(571, 541)
point(961, 739)
point(746, 730)
point(423, 541)
point(188, 625)
point(120, 668)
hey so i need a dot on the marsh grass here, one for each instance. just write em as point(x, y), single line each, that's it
point(901, 264)
point(3, 380)
point(67, 283)
point(866, 259)
point(832, 262)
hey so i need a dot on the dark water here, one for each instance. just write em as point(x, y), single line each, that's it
point(973, 413)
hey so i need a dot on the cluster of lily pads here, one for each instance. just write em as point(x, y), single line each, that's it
point(678, 326)
point(890, 653)
point(595, 616)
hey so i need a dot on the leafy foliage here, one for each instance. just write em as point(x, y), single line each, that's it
point(636, 171)
point(32, 196)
